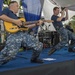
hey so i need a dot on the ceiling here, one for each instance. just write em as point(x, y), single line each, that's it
point(65, 3)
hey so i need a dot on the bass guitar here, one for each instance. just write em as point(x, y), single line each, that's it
point(13, 28)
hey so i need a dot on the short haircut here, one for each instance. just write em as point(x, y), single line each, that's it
point(12, 2)
point(55, 8)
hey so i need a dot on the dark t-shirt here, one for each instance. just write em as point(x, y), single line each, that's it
point(57, 24)
point(9, 13)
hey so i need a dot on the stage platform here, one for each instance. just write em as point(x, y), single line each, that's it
point(60, 63)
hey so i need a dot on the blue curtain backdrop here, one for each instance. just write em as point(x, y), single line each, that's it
point(32, 11)
point(1, 4)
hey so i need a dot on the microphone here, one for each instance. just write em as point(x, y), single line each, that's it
point(62, 8)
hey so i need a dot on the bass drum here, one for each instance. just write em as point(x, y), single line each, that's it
point(45, 37)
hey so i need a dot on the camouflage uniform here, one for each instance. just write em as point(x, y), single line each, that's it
point(66, 35)
point(14, 42)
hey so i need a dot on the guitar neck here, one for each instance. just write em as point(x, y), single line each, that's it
point(48, 21)
point(30, 22)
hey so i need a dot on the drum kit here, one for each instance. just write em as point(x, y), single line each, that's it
point(48, 38)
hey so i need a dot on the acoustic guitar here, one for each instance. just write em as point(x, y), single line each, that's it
point(13, 28)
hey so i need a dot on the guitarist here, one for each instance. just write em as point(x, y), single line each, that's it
point(15, 40)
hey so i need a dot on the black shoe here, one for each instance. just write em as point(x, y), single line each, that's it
point(51, 51)
point(37, 61)
point(2, 62)
point(71, 50)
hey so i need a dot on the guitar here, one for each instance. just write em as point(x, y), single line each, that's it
point(13, 28)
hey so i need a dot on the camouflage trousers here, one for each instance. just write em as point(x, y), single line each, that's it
point(14, 42)
point(66, 35)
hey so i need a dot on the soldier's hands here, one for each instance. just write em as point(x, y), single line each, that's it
point(40, 22)
point(18, 22)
